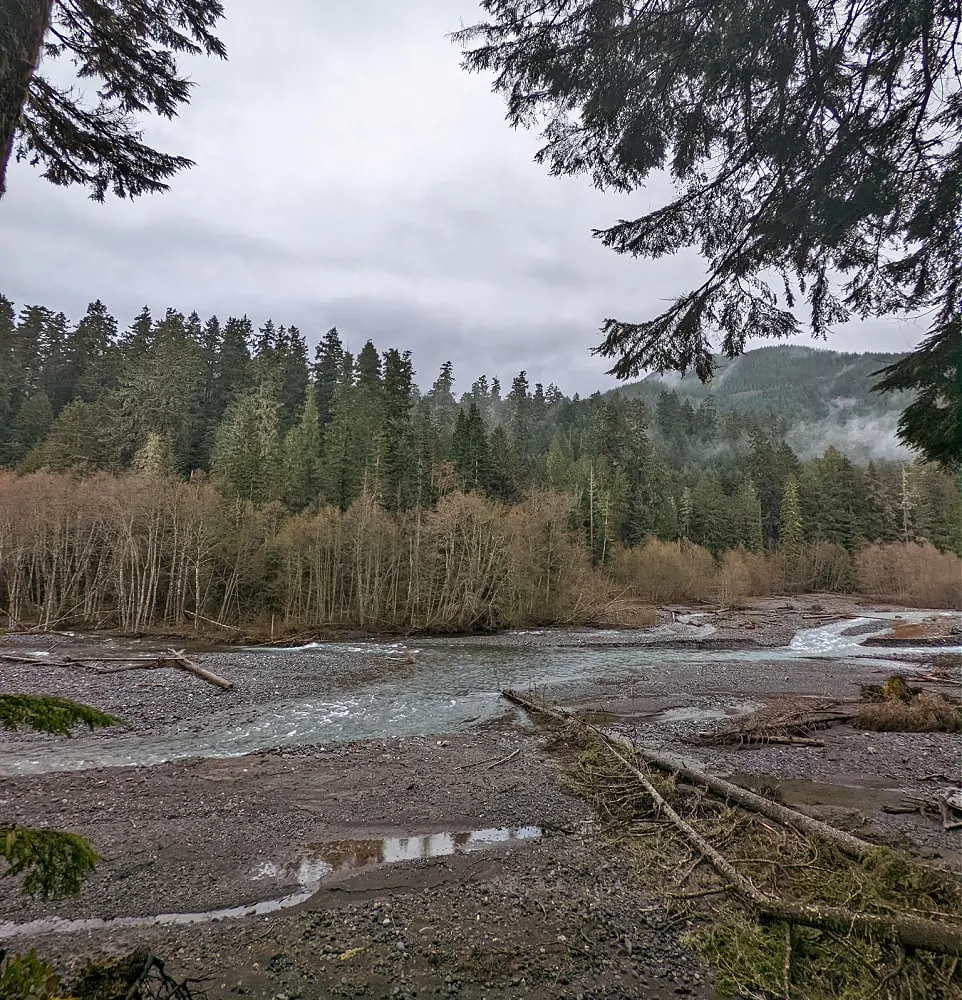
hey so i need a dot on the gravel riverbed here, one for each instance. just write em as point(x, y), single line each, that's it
point(434, 863)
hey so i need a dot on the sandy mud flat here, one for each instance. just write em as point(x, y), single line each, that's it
point(348, 824)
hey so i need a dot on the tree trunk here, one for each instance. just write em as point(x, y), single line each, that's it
point(23, 24)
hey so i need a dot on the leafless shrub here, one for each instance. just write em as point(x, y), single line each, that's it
point(908, 573)
point(666, 571)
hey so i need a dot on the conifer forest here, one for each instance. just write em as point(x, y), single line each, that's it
point(182, 472)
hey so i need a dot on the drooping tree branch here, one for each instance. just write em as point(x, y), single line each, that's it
point(815, 143)
point(127, 48)
point(22, 27)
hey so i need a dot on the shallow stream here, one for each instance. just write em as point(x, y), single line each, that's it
point(453, 683)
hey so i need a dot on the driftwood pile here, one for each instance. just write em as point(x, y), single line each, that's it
point(911, 931)
point(175, 659)
point(792, 724)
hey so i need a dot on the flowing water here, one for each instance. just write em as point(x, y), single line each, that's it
point(454, 683)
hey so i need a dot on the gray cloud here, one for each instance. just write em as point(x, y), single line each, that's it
point(348, 172)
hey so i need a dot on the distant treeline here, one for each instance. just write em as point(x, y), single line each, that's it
point(143, 551)
point(186, 399)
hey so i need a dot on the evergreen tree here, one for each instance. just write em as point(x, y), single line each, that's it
point(56, 379)
point(30, 426)
point(834, 499)
point(368, 370)
point(503, 482)
point(87, 354)
point(444, 407)
point(161, 390)
point(748, 516)
point(518, 413)
point(84, 438)
point(769, 463)
point(469, 449)
point(882, 520)
point(156, 457)
point(790, 534)
point(684, 513)
point(349, 440)
point(481, 395)
point(294, 374)
point(247, 457)
point(710, 522)
point(138, 338)
point(303, 457)
point(326, 372)
point(560, 469)
point(396, 437)
point(233, 368)
point(9, 375)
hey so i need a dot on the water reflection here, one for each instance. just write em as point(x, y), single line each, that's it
point(310, 872)
point(388, 850)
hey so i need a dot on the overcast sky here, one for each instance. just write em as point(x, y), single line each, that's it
point(349, 173)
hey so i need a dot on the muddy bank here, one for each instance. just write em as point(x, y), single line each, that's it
point(545, 916)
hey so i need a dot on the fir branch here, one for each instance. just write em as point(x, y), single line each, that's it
point(49, 714)
point(52, 863)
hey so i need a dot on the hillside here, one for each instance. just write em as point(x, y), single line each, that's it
point(822, 397)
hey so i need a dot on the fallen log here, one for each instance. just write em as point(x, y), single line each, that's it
point(212, 621)
point(911, 932)
point(175, 659)
point(179, 660)
point(853, 846)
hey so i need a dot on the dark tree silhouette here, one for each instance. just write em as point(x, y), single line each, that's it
point(127, 48)
point(814, 145)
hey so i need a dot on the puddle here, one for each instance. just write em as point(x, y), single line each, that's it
point(388, 850)
point(321, 861)
point(694, 713)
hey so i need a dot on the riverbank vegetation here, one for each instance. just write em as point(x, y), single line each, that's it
point(144, 551)
point(185, 474)
point(779, 903)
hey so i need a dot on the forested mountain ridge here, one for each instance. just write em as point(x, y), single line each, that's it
point(819, 397)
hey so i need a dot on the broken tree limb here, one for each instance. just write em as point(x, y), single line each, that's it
point(853, 846)
point(212, 621)
point(177, 658)
point(504, 760)
point(174, 658)
point(911, 932)
point(490, 761)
